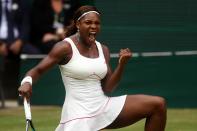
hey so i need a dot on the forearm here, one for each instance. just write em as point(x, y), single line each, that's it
point(46, 64)
point(34, 74)
point(25, 89)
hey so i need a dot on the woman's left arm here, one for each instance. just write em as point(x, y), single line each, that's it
point(112, 79)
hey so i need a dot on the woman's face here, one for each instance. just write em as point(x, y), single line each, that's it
point(89, 27)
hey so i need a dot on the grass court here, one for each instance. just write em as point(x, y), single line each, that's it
point(46, 118)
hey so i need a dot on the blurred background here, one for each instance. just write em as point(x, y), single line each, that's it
point(162, 35)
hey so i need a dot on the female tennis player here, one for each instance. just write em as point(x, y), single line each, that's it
point(88, 79)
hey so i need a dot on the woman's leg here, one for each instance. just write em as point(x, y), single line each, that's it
point(137, 107)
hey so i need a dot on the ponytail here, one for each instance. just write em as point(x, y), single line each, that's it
point(70, 29)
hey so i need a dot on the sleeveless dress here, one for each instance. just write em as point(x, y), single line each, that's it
point(86, 107)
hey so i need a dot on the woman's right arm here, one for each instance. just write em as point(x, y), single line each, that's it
point(59, 52)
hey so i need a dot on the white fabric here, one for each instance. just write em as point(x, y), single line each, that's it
point(3, 26)
point(86, 107)
point(4, 23)
point(87, 13)
point(27, 79)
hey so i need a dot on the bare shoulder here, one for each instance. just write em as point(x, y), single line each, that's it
point(61, 48)
point(60, 51)
point(105, 48)
point(106, 51)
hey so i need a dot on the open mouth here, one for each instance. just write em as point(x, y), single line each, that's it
point(92, 36)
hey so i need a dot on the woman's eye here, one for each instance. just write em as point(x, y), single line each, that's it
point(97, 23)
point(88, 22)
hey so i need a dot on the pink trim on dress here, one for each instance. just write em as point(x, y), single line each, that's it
point(100, 111)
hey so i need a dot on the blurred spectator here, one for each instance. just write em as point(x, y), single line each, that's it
point(14, 30)
point(49, 17)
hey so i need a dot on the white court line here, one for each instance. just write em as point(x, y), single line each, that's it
point(149, 54)
point(194, 52)
point(34, 56)
point(116, 55)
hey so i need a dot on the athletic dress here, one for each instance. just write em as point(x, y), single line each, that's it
point(86, 107)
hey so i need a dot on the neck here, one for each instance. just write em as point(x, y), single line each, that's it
point(82, 42)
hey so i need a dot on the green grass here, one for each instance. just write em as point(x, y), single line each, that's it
point(47, 118)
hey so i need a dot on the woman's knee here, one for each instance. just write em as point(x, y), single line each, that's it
point(160, 104)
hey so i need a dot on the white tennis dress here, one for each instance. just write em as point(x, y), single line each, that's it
point(86, 107)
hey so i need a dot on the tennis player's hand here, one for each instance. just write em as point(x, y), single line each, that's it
point(124, 56)
point(25, 90)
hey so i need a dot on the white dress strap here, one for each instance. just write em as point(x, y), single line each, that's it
point(76, 51)
point(100, 50)
point(73, 46)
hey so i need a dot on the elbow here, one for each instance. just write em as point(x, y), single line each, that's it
point(109, 88)
point(107, 92)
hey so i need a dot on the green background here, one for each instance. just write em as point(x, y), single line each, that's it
point(149, 25)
